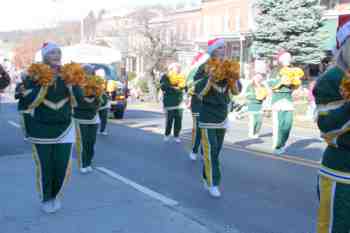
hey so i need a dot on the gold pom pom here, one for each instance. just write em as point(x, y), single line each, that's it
point(73, 74)
point(94, 86)
point(41, 74)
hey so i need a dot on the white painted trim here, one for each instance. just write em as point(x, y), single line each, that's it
point(155, 195)
point(14, 124)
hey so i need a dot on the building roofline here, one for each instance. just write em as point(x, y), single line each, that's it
point(187, 10)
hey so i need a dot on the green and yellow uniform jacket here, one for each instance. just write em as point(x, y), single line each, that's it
point(334, 123)
point(215, 98)
point(195, 101)
point(21, 106)
point(281, 98)
point(50, 108)
point(253, 103)
point(86, 107)
point(172, 96)
point(104, 102)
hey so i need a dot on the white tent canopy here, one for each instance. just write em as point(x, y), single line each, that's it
point(86, 53)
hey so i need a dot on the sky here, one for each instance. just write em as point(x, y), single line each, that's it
point(28, 14)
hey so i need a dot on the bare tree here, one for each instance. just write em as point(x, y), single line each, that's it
point(157, 45)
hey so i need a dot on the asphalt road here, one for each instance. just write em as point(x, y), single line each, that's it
point(261, 193)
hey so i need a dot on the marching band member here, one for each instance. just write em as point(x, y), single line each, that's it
point(332, 95)
point(49, 125)
point(284, 82)
point(214, 90)
point(256, 93)
point(173, 85)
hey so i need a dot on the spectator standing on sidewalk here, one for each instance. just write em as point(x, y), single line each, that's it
point(173, 85)
point(5, 79)
point(333, 108)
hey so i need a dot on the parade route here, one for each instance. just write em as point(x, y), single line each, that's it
point(145, 185)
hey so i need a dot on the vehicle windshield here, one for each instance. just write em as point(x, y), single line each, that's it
point(111, 73)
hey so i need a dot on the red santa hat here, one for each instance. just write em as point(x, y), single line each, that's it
point(343, 31)
point(214, 44)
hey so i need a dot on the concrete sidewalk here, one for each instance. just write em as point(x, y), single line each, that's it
point(93, 203)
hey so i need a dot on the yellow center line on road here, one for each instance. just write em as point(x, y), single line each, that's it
point(256, 152)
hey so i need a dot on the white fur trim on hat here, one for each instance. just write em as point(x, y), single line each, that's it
point(173, 66)
point(343, 33)
point(48, 47)
point(214, 44)
point(284, 56)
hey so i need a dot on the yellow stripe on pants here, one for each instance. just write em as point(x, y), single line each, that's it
point(194, 130)
point(38, 173)
point(207, 157)
point(325, 213)
point(79, 145)
point(67, 175)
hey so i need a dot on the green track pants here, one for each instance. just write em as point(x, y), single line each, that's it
point(196, 135)
point(173, 119)
point(53, 168)
point(255, 123)
point(282, 125)
point(212, 141)
point(334, 209)
point(104, 118)
point(85, 143)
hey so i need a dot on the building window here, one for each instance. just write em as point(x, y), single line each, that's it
point(238, 21)
point(329, 4)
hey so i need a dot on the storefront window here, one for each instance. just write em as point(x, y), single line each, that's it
point(329, 4)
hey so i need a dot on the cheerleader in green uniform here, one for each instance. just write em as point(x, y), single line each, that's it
point(103, 113)
point(215, 98)
point(332, 96)
point(256, 93)
point(20, 93)
point(282, 87)
point(86, 122)
point(173, 85)
point(196, 73)
point(49, 128)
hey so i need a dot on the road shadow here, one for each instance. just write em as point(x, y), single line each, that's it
point(248, 142)
point(140, 114)
point(307, 148)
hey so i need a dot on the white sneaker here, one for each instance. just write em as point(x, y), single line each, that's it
point(105, 133)
point(193, 156)
point(84, 170)
point(57, 204)
point(177, 140)
point(166, 138)
point(214, 191)
point(89, 169)
point(48, 207)
point(279, 151)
